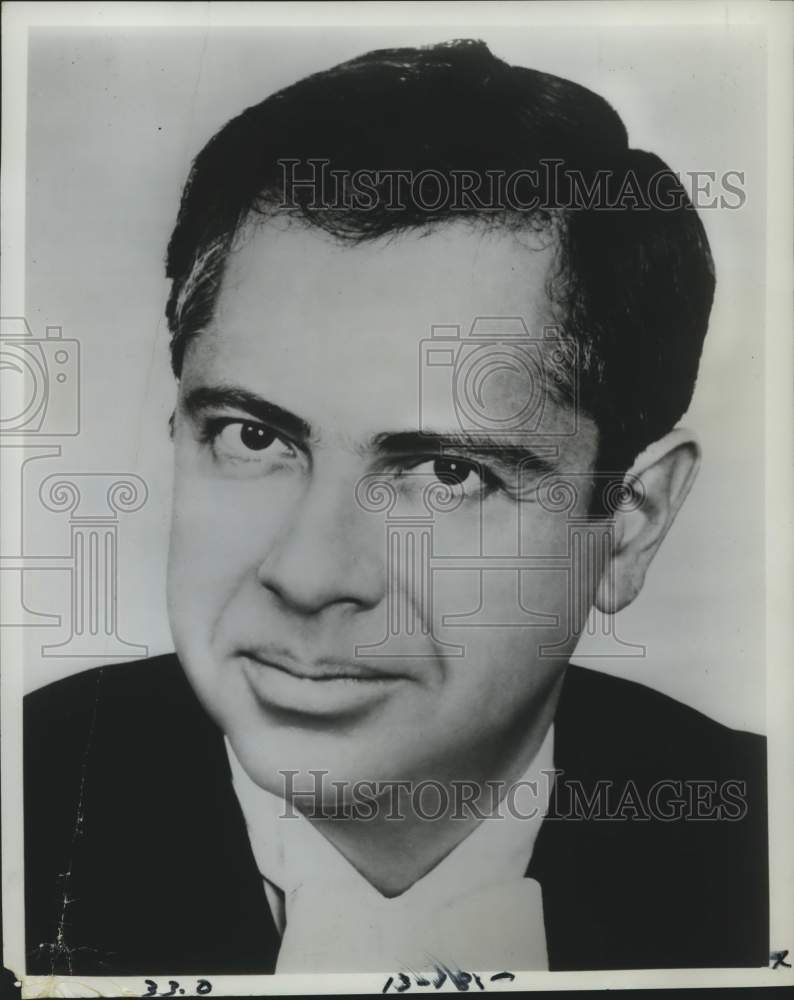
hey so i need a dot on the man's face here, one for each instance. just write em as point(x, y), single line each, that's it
point(306, 385)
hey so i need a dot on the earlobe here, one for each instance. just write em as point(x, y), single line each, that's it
point(663, 475)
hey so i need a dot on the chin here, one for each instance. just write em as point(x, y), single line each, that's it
point(297, 761)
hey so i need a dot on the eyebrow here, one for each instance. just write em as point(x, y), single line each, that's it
point(502, 450)
point(233, 397)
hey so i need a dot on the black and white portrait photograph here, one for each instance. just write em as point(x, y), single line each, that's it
point(396, 445)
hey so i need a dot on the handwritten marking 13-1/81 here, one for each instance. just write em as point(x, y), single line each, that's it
point(203, 987)
point(400, 982)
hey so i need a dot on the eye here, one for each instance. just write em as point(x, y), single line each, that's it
point(453, 471)
point(463, 477)
point(247, 441)
point(256, 436)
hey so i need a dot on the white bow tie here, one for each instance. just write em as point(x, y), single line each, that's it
point(350, 927)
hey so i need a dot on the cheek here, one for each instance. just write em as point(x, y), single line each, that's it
point(514, 624)
point(528, 557)
point(220, 533)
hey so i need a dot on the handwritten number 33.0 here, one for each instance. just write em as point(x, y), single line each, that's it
point(203, 987)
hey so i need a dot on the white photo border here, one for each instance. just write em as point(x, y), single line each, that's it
point(18, 17)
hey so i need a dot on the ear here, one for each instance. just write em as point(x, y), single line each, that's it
point(660, 479)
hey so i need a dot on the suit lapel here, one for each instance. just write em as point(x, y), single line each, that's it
point(572, 857)
point(228, 912)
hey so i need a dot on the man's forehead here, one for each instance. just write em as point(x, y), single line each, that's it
point(451, 274)
point(343, 336)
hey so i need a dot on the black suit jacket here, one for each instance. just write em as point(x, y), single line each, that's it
point(137, 859)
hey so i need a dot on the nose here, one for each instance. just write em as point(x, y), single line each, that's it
point(329, 551)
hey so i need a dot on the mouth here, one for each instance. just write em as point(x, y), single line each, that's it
point(323, 686)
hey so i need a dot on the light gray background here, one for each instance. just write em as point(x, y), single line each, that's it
point(114, 118)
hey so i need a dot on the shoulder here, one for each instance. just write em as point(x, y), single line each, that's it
point(664, 860)
point(126, 694)
point(75, 698)
point(126, 719)
point(623, 724)
point(127, 795)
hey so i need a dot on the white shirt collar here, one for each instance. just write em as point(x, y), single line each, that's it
point(290, 851)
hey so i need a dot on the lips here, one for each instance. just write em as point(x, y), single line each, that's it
point(329, 687)
point(322, 669)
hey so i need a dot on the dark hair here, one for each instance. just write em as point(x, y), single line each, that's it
point(633, 281)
